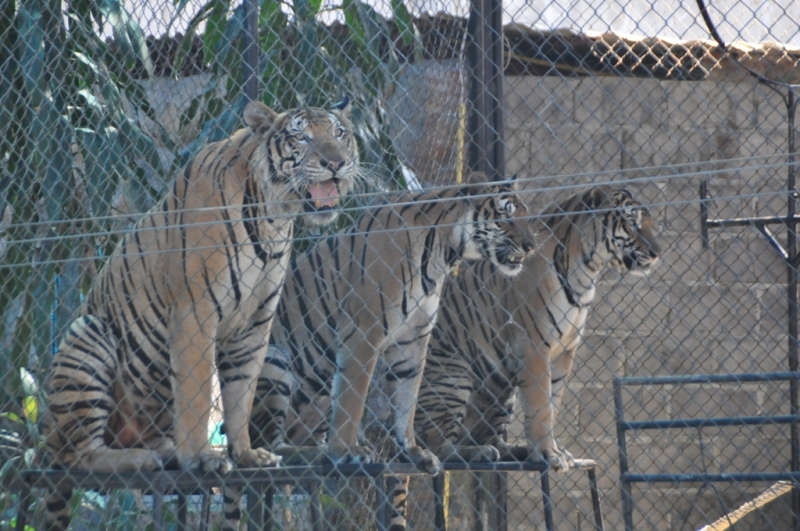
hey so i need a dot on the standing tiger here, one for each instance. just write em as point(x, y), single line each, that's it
point(194, 284)
point(374, 291)
point(496, 334)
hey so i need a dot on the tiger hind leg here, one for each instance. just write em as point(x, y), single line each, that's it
point(80, 406)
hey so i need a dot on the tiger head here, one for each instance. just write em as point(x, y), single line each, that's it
point(498, 227)
point(629, 233)
point(312, 154)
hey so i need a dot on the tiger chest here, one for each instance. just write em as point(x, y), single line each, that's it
point(566, 326)
point(254, 290)
point(420, 307)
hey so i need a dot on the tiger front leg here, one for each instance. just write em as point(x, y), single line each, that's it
point(350, 385)
point(82, 408)
point(406, 366)
point(239, 367)
point(560, 370)
point(192, 348)
point(536, 391)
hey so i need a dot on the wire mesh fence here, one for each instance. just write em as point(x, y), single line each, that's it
point(265, 265)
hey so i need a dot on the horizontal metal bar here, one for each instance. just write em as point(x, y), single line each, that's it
point(707, 378)
point(743, 222)
point(513, 466)
point(709, 422)
point(685, 478)
point(177, 480)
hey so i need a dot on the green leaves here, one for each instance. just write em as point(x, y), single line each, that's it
point(215, 28)
point(30, 51)
point(71, 142)
point(127, 33)
point(403, 20)
point(104, 165)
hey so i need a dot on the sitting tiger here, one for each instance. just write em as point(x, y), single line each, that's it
point(374, 291)
point(496, 334)
point(194, 284)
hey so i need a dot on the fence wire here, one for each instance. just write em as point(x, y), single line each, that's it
point(331, 320)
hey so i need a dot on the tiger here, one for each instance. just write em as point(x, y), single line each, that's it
point(193, 286)
point(373, 291)
point(496, 334)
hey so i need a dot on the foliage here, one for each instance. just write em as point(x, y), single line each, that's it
point(73, 151)
point(68, 147)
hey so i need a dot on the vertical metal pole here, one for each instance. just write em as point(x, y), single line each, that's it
point(595, 492)
point(256, 507)
point(269, 499)
point(24, 507)
point(251, 49)
point(548, 502)
point(206, 510)
point(627, 494)
point(498, 517)
point(791, 249)
point(316, 506)
point(158, 511)
point(439, 521)
point(704, 212)
point(498, 121)
point(384, 502)
point(183, 511)
point(479, 502)
point(476, 48)
point(485, 93)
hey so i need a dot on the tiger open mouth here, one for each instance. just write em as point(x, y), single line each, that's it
point(322, 196)
point(637, 266)
point(510, 260)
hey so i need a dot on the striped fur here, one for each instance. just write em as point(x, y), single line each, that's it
point(496, 334)
point(373, 291)
point(193, 287)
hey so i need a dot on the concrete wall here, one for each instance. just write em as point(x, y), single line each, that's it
point(716, 310)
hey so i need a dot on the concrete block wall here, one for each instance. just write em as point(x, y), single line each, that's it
point(720, 309)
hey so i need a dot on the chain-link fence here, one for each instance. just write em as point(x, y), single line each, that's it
point(148, 253)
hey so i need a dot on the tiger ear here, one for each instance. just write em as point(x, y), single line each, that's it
point(620, 195)
point(511, 182)
point(260, 118)
point(474, 180)
point(595, 197)
point(343, 107)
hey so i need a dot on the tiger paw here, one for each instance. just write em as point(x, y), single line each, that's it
point(135, 460)
point(481, 454)
point(301, 455)
point(425, 460)
point(468, 454)
point(208, 462)
point(352, 455)
point(151, 461)
point(257, 458)
point(566, 454)
point(554, 458)
point(510, 452)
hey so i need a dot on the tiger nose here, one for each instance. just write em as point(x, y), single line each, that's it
point(528, 246)
point(334, 164)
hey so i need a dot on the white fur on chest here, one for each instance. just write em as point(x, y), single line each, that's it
point(566, 332)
